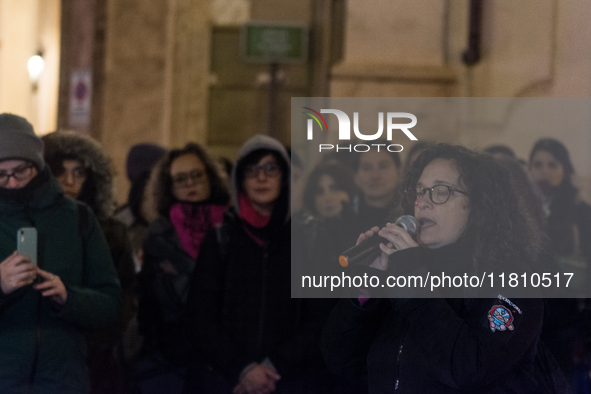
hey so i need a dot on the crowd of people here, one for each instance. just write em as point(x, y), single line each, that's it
point(186, 287)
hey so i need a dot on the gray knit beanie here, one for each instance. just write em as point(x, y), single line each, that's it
point(18, 140)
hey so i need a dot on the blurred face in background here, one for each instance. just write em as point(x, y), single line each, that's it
point(72, 177)
point(262, 184)
point(545, 170)
point(329, 198)
point(189, 179)
point(377, 176)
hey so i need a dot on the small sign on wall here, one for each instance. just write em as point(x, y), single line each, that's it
point(270, 42)
point(80, 97)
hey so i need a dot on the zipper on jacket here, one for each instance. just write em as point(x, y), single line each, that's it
point(398, 367)
point(263, 302)
point(37, 345)
point(398, 357)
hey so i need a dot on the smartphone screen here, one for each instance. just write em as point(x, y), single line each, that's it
point(26, 243)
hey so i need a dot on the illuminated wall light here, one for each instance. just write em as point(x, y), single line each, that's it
point(36, 66)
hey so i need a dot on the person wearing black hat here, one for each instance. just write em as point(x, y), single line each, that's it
point(45, 309)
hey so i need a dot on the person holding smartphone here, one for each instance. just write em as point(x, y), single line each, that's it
point(45, 309)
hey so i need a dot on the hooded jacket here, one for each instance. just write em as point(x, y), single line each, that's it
point(41, 345)
point(71, 145)
point(240, 307)
point(97, 193)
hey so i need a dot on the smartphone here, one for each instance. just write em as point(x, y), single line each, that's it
point(26, 243)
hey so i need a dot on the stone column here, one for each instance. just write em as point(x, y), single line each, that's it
point(155, 85)
point(190, 77)
point(135, 96)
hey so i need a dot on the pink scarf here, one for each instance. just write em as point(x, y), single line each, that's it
point(192, 223)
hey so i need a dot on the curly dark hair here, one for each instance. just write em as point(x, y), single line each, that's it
point(500, 226)
point(164, 198)
point(342, 176)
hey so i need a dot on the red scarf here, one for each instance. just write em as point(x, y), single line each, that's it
point(252, 217)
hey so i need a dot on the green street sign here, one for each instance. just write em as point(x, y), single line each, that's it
point(263, 42)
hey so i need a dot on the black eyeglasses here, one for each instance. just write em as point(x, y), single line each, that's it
point(438, 194)
point(197, 176)
point(21, 173)
point(270, 169)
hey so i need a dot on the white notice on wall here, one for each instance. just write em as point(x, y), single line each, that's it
point(80, 97)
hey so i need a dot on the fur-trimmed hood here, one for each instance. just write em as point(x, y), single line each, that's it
point(66, 144)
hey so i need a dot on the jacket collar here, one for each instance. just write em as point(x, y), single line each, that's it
point(44, 193)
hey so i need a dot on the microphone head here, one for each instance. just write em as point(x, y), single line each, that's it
point(370, 246)
point(410, 224)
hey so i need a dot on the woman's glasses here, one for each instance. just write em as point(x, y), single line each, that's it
point(182, 178)
point(270, 169)
point(438, 194)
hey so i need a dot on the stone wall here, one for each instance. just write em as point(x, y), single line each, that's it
point(156, 73)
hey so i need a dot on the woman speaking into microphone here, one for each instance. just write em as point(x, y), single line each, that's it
point(472, 216)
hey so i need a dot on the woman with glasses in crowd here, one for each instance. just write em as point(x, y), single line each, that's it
point(474, 220)
point(83, 170)
point(191, 197)
point(254, 338)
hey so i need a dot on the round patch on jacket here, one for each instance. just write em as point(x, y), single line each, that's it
point(500, 318)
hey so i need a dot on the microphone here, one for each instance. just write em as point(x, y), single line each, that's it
point(371, 246)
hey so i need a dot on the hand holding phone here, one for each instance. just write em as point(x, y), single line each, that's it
point(15, 272)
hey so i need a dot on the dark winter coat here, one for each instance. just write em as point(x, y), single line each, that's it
point(241, 310)
point(41, 345)
point(97, 193)
point(163, 295)
point(440, 345)
point(240, 307)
